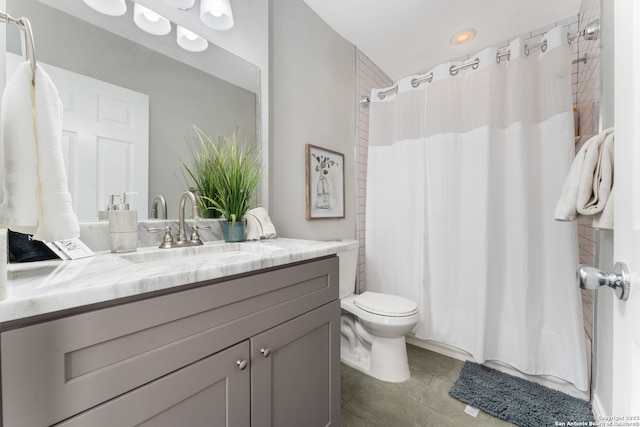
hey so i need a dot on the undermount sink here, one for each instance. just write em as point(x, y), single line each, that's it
point(193, 254)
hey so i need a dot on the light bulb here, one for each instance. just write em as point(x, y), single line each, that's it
point(150, 21)
point(189, 40)
point(151, 16)
point(216, 14)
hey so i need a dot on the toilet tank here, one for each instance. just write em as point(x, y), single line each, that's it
point(348, 260)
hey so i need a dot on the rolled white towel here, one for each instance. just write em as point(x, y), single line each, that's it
point(259, 225)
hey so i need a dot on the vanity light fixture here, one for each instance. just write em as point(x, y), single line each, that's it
point(150, 21)
point(180, 4)
point(189, 40)
point(108, 7)
point(216, 14)
point(463, 36)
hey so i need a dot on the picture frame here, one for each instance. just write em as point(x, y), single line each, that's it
point(324, 183)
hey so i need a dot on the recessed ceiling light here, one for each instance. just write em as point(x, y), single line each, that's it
point(463, 36)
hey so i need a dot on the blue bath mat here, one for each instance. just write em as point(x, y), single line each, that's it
point(517, 400)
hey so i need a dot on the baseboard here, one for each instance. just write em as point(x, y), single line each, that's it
point(456, 353)
point(596, 408)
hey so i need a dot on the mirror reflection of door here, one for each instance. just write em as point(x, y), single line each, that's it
point(184, 88)
point(105, 139)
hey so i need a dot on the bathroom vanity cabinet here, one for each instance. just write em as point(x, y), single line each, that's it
point(260, 349)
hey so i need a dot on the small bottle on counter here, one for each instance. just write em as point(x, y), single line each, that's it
point(111, 206)
point(123, 226)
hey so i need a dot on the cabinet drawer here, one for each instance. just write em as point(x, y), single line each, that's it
point(57, 369)
point(213, 392)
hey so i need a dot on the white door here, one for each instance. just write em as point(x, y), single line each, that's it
point(105, 140)
point(626, 314)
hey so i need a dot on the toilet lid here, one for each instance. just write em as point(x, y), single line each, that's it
point(385, 304)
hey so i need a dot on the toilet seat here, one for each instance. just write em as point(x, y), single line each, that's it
point(385, 304)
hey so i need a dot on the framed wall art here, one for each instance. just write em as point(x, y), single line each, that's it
point(325, 183)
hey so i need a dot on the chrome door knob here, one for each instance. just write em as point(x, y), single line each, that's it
point(265, 352)
point(242, 364)
point(593, 278)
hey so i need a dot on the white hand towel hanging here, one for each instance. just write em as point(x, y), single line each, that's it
point(36, 196)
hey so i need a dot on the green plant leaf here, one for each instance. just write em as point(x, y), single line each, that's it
point(225, 173)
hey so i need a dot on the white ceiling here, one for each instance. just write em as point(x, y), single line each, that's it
point(404, 37)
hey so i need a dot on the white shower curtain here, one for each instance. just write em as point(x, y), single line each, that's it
point(463, 176)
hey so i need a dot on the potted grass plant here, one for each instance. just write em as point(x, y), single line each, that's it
point(225, 174)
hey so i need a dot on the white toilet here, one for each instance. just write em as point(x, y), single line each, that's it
point(373, 325)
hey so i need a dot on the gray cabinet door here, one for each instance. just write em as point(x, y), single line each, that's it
point(295, 375)
point(211, 392)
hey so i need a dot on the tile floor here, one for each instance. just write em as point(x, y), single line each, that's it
point(422, 400)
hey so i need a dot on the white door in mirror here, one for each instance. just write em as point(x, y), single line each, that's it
point(105, 139)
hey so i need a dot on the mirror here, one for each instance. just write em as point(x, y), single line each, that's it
point(214, 90)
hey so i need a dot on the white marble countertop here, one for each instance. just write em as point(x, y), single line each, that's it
point(48, 286)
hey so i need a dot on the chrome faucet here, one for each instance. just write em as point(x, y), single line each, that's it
point(182, 235)
point(159, 200)
point(182, 241)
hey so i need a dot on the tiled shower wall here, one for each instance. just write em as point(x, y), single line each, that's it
point(588, 106)
point(587, 103)
point(368, 76)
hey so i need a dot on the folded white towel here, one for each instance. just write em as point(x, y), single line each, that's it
point(597, 176)
point(36, 195)
point(605, 218)
point(259, 225)
point(590, 179)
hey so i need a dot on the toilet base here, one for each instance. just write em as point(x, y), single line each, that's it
point(382, 358)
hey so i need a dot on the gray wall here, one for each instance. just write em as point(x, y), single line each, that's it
point(179, 96)
point(312, 101)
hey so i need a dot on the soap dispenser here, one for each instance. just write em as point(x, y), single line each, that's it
point(111, 206)
point(123, 225)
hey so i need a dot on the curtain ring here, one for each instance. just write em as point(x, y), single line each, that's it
point(415, 82)
point(542, 45)
point(499, 56)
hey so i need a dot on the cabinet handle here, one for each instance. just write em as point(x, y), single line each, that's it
point(242, 364)
point(265, 352)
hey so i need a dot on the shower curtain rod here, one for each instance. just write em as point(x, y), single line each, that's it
point(590, 32)
point(28, 45)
